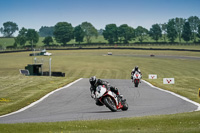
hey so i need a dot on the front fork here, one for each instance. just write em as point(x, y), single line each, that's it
point(136, 81)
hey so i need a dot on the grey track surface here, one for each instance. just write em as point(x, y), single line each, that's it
point(75, 103)
point(164, 56)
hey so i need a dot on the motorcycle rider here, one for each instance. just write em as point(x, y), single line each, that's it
point(136, 69)
point(94, 82)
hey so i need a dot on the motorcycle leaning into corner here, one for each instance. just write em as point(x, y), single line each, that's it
point(110, 99)
point(136, 78)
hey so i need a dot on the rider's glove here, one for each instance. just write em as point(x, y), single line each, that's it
point(92, 95)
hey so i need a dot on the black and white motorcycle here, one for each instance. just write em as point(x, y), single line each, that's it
point(110, 99)
point(136, 78)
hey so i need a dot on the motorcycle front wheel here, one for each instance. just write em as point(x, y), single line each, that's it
point(110, 103)
point(125, 106)
point(136, 83)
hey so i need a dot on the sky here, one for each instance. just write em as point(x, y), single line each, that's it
point(32, 14)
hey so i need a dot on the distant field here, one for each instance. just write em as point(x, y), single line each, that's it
point(10, 41)
point(6, 42)
point(100, 39)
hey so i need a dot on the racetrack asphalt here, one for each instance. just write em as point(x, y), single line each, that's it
point(163, 56)
point(75, 103)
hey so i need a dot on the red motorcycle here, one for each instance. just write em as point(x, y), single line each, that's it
point(110, 99)
point(136, 78)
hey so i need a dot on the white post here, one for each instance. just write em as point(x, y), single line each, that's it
point(35, 60)
point(49, 66)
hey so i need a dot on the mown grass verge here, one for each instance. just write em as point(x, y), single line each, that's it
point(176, 123)
point(19, 91)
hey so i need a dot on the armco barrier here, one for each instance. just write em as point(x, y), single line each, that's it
point(88, 48)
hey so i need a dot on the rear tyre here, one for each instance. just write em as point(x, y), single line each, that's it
point(110, 103)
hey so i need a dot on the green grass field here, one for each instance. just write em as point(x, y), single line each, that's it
point(17, 91)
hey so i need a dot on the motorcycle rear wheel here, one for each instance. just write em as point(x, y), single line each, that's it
point(110, 103)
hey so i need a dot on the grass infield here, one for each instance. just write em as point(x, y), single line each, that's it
point(17, 91)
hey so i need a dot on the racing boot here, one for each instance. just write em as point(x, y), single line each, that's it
point(120, 98)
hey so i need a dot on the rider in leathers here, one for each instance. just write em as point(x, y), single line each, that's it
point(136, 69)
point(96, 82)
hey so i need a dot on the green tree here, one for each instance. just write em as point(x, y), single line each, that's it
point(194, 22)
point(21, 38)
point(89, 31)
point(9, 28)
point(100, 32)
point(32, 36)
point(63, 32)
point(47, 40)
point(110, 33)
point(125, 33)
point(164, 31)
point(199, 30)
point(141, 33)
point(46, 31)
point(186, 35)
point(179, 22)
point(171, 30)
point(155, 32)
point(79, 34)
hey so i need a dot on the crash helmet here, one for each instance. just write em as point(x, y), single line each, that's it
point(136, 68)
point(92, 80)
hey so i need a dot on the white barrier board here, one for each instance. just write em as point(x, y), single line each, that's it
point(152, 76)
point(109, 53)
point(168, 81)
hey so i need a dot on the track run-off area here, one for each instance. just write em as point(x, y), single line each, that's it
point(73, 102)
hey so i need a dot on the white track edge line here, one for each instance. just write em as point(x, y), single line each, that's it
point(177, 95)
point(36, 102)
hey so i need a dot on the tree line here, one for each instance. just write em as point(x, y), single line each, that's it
point(63, 32)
